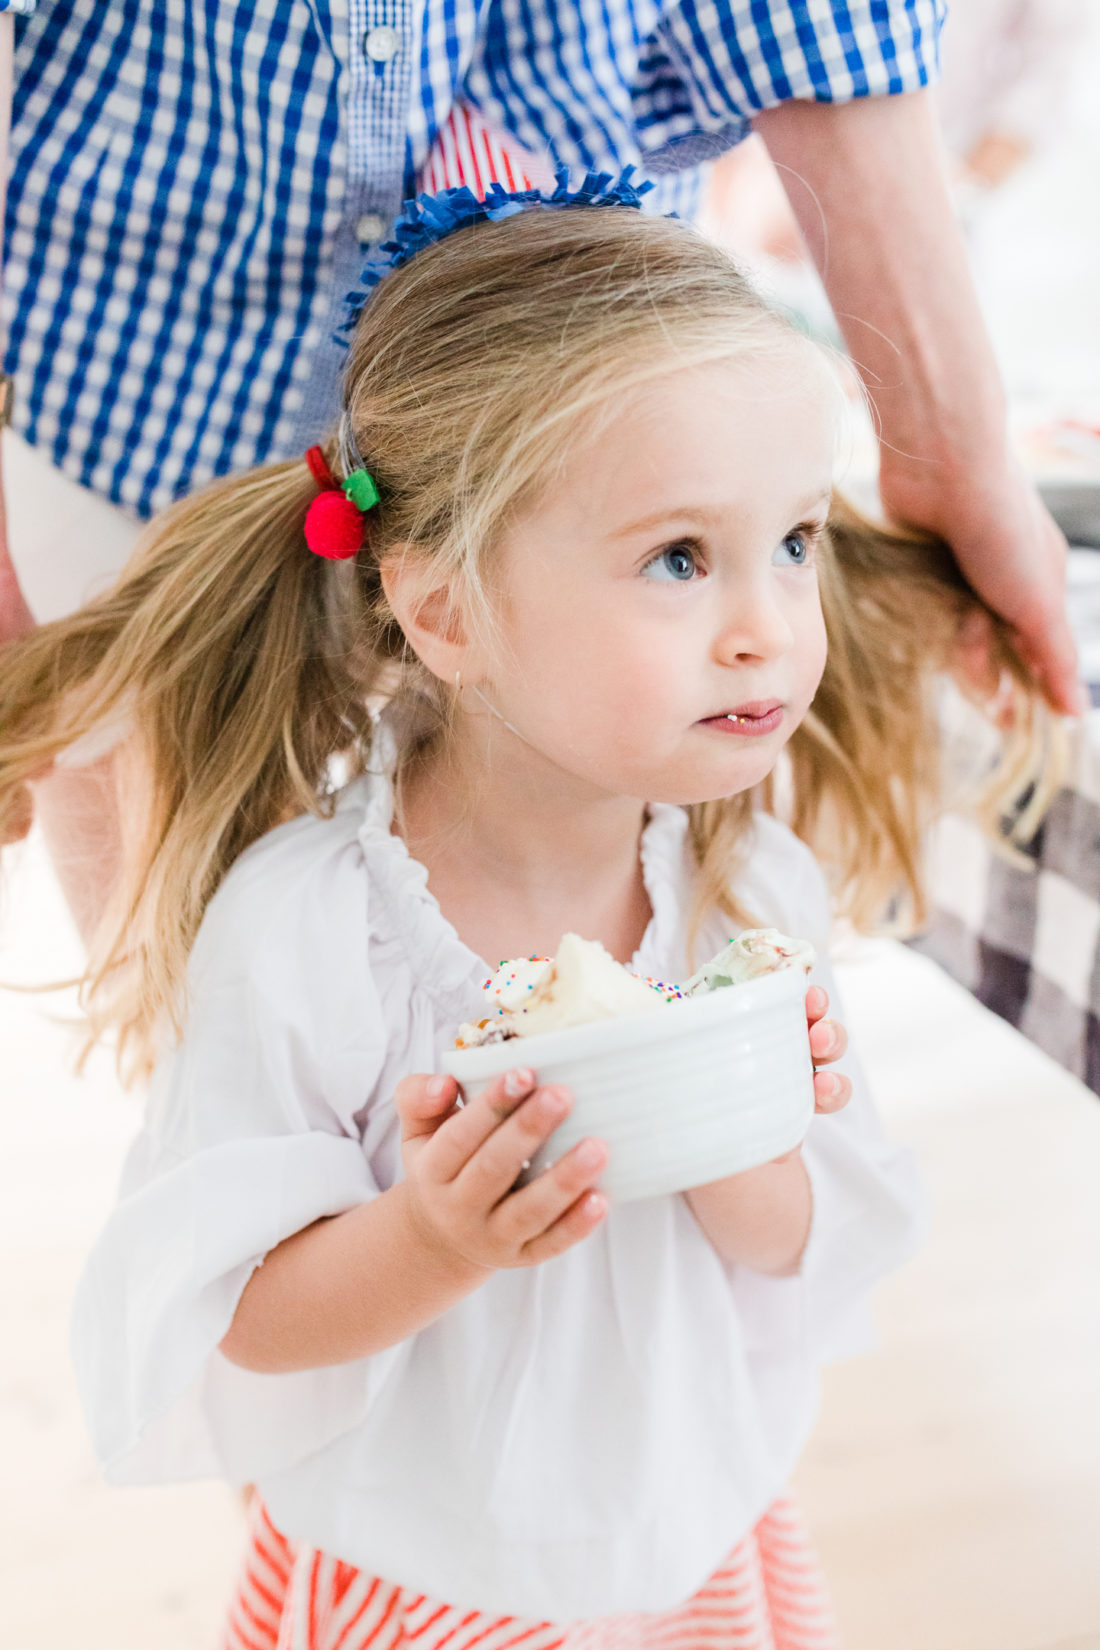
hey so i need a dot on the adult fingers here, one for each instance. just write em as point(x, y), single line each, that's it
point(1010, 550)
point(1038, 613)
point(1018, 562)
point(17, 817)
point(1051, 651)
point(16, 618)
point(972, 654)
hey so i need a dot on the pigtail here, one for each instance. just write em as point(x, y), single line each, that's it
point(238, 664)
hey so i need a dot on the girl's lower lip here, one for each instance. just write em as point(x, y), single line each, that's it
point(747, 727)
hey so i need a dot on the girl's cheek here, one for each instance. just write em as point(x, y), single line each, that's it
point(813, 646)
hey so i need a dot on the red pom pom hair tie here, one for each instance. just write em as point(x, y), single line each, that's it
point(334, 520)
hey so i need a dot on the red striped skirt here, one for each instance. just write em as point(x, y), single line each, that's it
point(768, 1595)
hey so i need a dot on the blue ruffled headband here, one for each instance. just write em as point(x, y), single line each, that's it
point(431, 218)
point(425, 220)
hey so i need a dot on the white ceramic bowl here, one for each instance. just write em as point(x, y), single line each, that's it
point(712, 1086)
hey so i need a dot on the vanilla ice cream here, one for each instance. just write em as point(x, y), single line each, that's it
point(530, 995)
point(752, 953)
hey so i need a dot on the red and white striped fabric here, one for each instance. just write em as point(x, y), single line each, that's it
point(468, 151)
point(768, 1595)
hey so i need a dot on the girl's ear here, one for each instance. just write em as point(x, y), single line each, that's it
point(428, 613)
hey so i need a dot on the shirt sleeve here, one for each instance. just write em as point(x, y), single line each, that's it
point(868, 1203)
point(21, 8)
point(254, 1131)
point(734, 58)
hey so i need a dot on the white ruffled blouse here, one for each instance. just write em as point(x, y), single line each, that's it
point(575, 1439)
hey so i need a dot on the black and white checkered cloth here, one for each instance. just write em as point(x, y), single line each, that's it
point(1025, 939)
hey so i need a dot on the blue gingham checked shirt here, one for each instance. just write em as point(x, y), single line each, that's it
point(195, 182)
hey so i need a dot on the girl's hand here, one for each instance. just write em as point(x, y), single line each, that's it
point(461, 1167)
point(828, 1041)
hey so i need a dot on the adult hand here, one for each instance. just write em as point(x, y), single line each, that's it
point(16, 620)
point(1008, 547)
point(17, 818)
point(868, 185)
point(461, 1168)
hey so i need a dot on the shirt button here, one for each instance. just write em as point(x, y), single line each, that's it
point(369, 228)
point(381, 44)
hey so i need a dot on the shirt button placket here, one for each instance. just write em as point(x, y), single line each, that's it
point(382, 43)
point(379, 87)
point(380, 53)
point(370, 228)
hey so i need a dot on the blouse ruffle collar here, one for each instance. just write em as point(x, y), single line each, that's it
point(405, 910)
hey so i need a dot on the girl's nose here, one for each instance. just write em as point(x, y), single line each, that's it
point(754, 625)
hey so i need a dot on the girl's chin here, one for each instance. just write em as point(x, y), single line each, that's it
point(686, 791)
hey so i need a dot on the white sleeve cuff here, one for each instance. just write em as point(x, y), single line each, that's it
point(159, 1293)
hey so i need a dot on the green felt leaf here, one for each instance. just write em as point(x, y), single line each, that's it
point(360, 488)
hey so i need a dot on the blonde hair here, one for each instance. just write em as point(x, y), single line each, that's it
point(246, 664)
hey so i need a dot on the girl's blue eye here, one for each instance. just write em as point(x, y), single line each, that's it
point(676, 564)
point(794, 551)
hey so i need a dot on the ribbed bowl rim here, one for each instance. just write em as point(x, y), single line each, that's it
point(683, 1017)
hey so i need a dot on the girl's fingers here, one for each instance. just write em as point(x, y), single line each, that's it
point(817, 1004)
point(528, 1213)
point(576, 1223)
point(491, 1172)
point(469, 1128)
point(832, 1091)
point(828, 1041)
point(423, 1103)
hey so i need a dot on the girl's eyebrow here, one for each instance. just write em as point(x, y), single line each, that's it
point(714, 513)
point(690, 512)
point(814, 499)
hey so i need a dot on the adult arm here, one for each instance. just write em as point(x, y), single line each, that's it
point(15, 615)
point(866, 180)
point(77, 807)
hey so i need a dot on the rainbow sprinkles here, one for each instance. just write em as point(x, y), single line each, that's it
point(531, 995)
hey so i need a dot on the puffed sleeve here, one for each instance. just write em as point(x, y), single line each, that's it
point(254, 1131)
point(868, 1205)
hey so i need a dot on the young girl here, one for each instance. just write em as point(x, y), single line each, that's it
point(543, 683)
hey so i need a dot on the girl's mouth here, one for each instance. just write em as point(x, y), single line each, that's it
point(759, 717)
